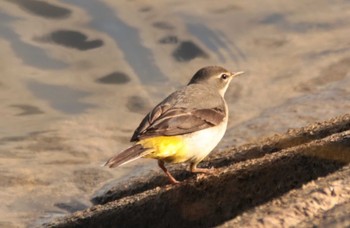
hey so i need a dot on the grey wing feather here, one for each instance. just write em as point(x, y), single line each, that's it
point(172, 117)
point(128, 155)
point(148, 120)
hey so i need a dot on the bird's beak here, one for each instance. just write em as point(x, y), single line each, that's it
point(237, 73)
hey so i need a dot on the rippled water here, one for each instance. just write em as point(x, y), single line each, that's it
point(77, 76)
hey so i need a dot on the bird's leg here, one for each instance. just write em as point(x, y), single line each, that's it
point(194, 169)
point(171, 178)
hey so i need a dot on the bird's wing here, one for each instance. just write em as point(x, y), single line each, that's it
point(166, 120)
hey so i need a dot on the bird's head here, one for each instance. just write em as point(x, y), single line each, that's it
point(215, 76)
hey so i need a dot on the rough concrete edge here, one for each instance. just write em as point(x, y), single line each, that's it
point(338, 216)
point(154, 194)
point(299, 205)
point(293, 137)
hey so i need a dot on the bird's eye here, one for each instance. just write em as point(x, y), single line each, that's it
point(224, 76)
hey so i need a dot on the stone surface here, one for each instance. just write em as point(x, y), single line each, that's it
point(287, 183)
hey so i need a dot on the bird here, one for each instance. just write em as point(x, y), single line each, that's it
point(186, 126)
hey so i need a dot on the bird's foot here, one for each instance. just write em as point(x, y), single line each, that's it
point(211, 170)
point(202, 173)
point(173, 180)
point(170, 177)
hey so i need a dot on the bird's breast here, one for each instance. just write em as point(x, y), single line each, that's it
point(201, 143)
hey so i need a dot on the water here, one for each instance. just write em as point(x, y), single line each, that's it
point(78, 76)
point(29, 54)
point(106, 20)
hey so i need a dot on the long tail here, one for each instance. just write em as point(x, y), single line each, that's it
point(126, 156)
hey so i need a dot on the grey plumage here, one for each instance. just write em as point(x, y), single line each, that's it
point(199, 105)
point(183, 112)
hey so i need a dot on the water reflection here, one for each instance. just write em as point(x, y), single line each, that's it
point(138, 104)
point(187, 50)
point(163, 25)
point(215, 41)
point(30, 54)
point(282, 22)
point(170, 39)
point(74, 39)
point(114, 78)
point(43, 9)
point(27, 109)
point(127, 37)
point(61, 98)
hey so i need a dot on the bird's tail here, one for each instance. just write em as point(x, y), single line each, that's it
point(126, 156)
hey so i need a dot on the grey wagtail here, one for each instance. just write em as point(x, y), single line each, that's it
point(185, 126)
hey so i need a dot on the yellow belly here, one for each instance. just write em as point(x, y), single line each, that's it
point(170, 149)
point(193, 147)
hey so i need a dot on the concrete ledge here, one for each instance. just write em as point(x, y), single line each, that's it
point(269, 178)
